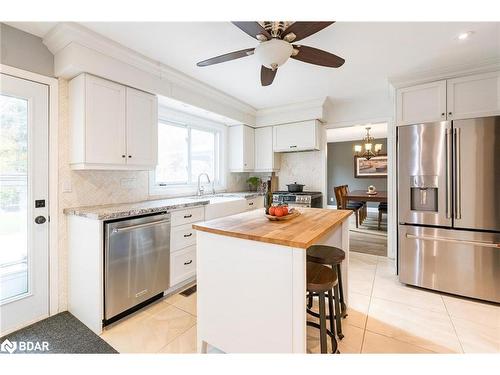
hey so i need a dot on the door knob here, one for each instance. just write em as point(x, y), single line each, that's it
point(40, 219)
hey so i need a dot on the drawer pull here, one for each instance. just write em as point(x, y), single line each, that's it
point(250, 204)
point(294, 146)
point(186, 263)
point(188, 216)
point(188, 235)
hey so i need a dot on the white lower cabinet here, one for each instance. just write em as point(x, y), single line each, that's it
point(183, 243)
point(182, 265)
point(182, 236)
point(254, 203)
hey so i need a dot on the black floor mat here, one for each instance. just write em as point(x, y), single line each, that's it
point(188, 291)
point(63, 333)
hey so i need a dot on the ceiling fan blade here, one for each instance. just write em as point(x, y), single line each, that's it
point(254, 29)
point(317, 57)
point(267, 75)
point(227, 57)
point(304, 29)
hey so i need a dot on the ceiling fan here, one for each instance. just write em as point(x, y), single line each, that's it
point(275, 47)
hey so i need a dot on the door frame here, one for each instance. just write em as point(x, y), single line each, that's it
point(52, 83)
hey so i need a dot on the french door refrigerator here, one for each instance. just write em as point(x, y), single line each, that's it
point(449, 206)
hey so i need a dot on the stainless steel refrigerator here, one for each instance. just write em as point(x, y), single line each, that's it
point(449, 206)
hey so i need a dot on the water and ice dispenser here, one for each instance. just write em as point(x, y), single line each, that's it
point(424, 193)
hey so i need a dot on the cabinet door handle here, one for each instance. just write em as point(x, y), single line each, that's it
point(250, 204)
point(442, 114)
point(295, 146)
point(449, 113)
point(188, 216)
point(123, 156)
point(186, 263)
point(188, 235)
point(130, 156)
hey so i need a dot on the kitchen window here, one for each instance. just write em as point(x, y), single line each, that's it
point(185, 151)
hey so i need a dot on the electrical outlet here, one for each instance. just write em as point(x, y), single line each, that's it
point(331, 199)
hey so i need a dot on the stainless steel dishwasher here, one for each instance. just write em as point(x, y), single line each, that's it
point(136, 263)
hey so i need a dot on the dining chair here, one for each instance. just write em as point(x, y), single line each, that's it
point(342, 204)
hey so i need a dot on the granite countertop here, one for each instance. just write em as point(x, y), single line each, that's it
point(118, 211)
point(301, 231)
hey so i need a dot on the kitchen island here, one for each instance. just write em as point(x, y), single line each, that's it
point(251, 276)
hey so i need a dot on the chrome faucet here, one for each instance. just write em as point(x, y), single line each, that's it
point(201, 190)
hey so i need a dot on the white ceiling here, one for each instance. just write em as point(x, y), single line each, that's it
point(373, 51)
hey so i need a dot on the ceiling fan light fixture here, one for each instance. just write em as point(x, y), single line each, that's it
point(273, 53)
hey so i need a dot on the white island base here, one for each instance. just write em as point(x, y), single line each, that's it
point(252, 295)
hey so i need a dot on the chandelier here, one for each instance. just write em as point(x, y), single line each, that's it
point(368, 146)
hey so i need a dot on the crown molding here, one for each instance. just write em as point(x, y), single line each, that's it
point(307, 110)
point(423, 76)
point(67, 34)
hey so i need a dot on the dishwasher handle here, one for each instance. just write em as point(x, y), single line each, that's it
point(137, 226)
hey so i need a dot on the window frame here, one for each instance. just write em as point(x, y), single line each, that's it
point(174, 118)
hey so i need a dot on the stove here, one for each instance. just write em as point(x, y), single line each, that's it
point(303, 199)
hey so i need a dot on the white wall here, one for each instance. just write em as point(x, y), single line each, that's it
point(25, 51)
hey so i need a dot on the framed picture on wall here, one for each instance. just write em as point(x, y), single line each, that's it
point(376, 167)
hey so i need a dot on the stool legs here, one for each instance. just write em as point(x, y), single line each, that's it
point(322, 323)
point(331, 313)
point(341, 290)
point(338, 313)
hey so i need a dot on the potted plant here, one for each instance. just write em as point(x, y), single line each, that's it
point(253, 183)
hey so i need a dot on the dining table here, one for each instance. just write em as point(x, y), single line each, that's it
point(364, 196)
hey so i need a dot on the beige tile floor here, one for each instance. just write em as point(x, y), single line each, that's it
point(384, 317)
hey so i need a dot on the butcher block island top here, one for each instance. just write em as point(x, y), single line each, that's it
point(300, 232)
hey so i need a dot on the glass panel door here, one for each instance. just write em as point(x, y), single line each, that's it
point(24, 225)
point(13, 197)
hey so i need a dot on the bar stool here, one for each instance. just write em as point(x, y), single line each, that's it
point(321, 280)
point(332, 256)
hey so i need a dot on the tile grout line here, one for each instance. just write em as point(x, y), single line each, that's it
point(378, 333)
point(453, 324)
point(175, 338)
point(369, 305)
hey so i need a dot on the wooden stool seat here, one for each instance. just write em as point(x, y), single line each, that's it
point(320, 278)
point(325, 254)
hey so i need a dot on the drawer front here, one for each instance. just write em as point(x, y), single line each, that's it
point(187, 216)
point(182, 236)
point(182, 265)
point(253, 203)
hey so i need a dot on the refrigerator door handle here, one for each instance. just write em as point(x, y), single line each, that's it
point(451, 240)
point(458, 178)
point(449, 166)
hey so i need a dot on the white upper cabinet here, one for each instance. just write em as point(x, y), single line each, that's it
point(112, 126)
point(474, 96)
point(241, 148)
point(142, 128)
point(421, 103)
point(266, 160)
point(298, 136)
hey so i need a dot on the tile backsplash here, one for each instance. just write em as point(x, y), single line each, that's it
point(302, 167)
